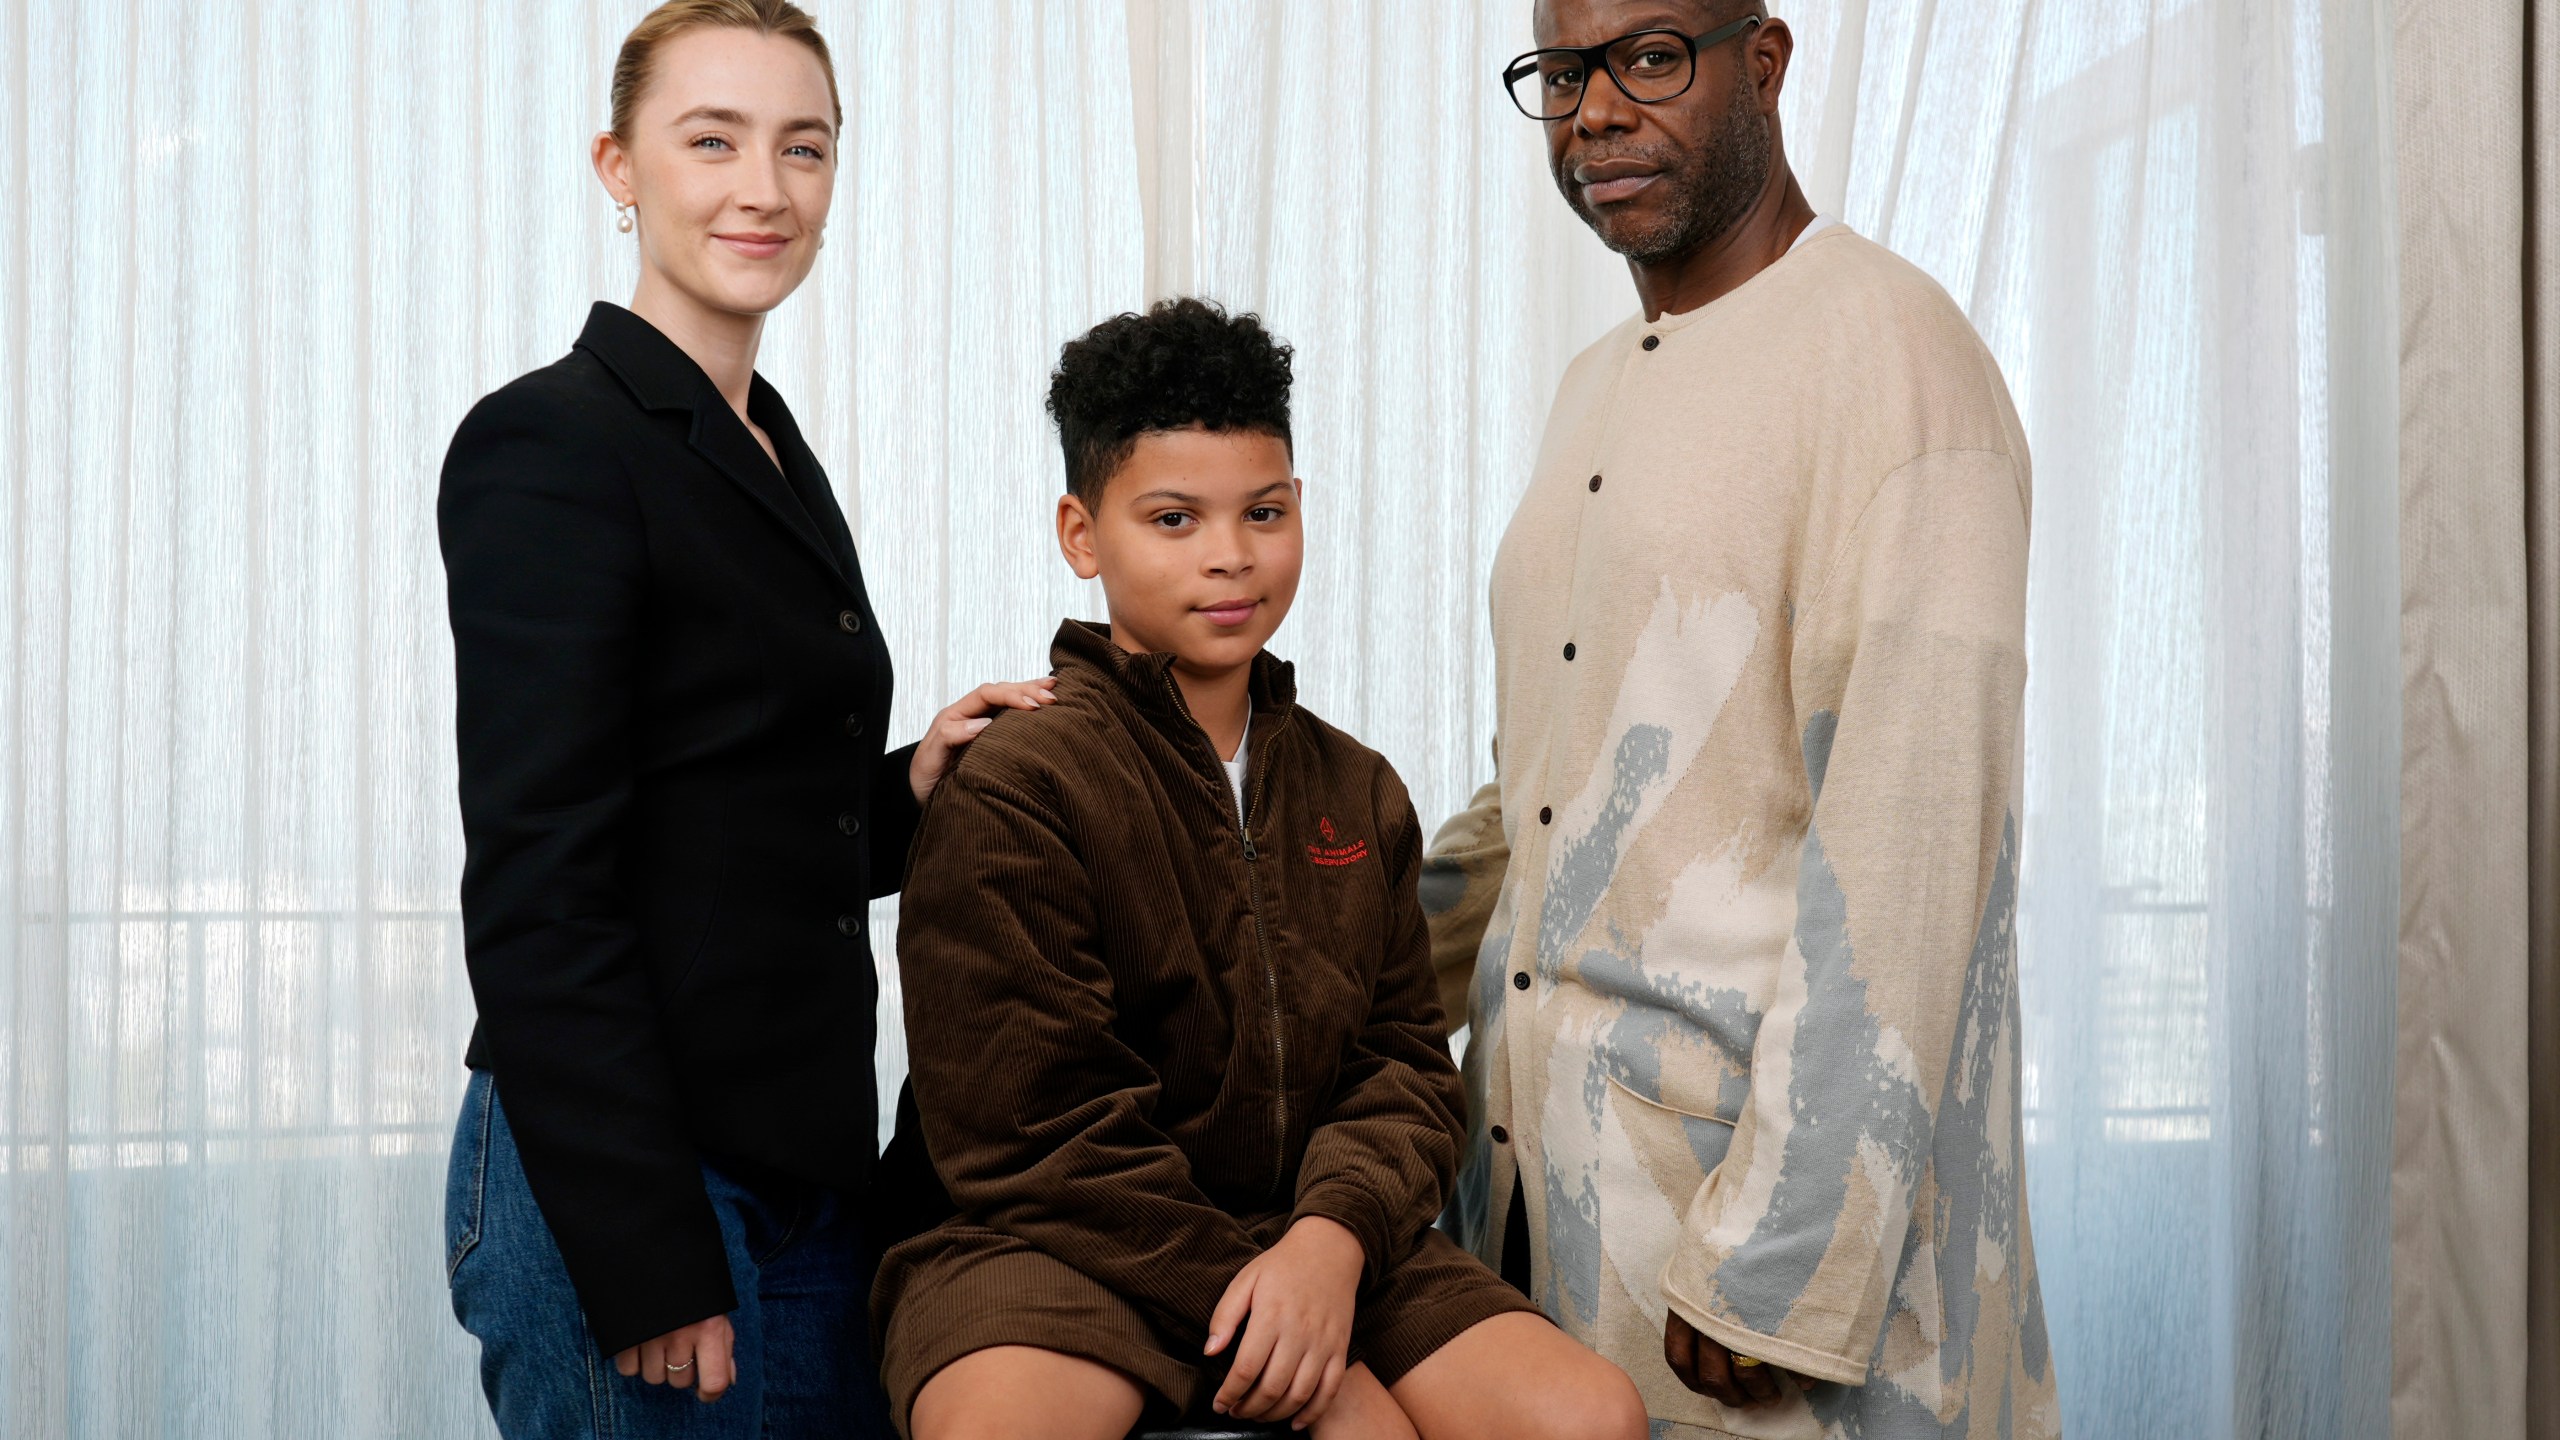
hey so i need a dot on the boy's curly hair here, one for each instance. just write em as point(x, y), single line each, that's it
point(1184, 364)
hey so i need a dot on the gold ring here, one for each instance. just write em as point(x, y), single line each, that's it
point(1745, 1362)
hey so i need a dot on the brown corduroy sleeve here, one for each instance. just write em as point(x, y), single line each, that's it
point(1035, 1113)
point(1381, 1158)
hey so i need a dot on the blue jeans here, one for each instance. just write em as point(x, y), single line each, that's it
point(802, 1274)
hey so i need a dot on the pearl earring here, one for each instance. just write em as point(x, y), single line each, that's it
point(624, 223)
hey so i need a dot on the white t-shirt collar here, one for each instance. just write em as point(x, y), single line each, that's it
point(1235, 767)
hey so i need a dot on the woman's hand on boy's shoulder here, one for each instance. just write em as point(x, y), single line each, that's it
point(962, 719)
point(1293, 1303)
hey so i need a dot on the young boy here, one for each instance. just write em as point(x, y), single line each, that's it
point(1174, 1033)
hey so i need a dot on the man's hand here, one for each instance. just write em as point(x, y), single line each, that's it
point(697, 1356)
point(1299, 1295)
point(1709, 1368)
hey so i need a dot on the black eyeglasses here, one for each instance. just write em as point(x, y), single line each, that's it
point(1649, 66)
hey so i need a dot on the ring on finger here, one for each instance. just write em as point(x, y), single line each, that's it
point(1745, 1362)
point(674, 1366)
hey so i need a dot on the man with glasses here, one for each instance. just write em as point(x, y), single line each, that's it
point(1738, 911)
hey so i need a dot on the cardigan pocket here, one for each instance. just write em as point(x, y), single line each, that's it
point(1680, 1148)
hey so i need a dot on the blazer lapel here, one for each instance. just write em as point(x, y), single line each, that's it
point(662, 377)
point(806, 477)
point(721, 438)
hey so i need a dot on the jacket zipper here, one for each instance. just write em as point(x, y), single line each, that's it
point(1271, 977)
point(1261, 947)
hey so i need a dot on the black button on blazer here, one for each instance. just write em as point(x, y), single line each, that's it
point(671, 693)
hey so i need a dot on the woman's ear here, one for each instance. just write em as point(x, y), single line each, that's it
point(1075, 537)
point(613, 166)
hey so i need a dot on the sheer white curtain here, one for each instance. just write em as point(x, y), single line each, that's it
point(266, 255)
point(259, 261)
point(2171, 221)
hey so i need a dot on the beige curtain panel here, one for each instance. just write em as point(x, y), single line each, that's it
point(2472, 1174)
point(2542, 559)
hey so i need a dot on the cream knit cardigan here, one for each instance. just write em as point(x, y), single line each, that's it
point(1739, 910)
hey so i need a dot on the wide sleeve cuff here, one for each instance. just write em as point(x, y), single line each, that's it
point(1785, 1354)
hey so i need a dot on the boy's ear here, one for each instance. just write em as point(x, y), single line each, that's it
point(1075, 537)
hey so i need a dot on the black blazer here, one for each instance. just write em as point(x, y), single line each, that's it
point(671, 696)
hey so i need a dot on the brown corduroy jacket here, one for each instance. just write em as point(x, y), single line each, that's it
point(1136, 1025)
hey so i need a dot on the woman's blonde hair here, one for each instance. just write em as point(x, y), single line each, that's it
point(636, 64)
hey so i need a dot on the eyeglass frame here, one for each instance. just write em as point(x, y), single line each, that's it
point(1597, 57)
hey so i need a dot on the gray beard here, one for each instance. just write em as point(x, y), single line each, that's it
point(1709, 195)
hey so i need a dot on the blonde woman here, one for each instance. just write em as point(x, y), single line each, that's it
point(672, 695)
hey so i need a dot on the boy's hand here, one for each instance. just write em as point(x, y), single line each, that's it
point(1299, 1295)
